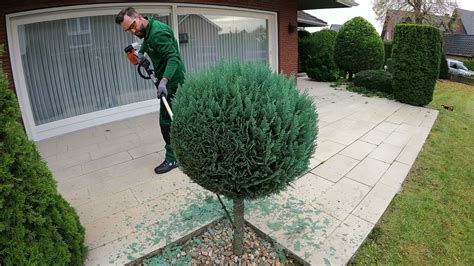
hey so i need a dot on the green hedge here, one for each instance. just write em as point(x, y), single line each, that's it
point(320, 64)
point(37, 226)
point(443, 68)
point(375, 80)
point(416, 58)
point(469, 65)
point(358, 47)
point(304, 47)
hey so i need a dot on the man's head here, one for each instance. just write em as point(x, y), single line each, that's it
point(131, 21)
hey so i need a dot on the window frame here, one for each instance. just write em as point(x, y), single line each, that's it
point(59, 127)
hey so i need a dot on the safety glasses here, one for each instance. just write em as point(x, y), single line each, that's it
point(132, 26)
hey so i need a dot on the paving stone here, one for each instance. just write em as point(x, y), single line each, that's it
point(358, 150)
point(65, 163)
point(106, 162)
point(385, 152)
point(146, 149)
point(335, 168)
point(116, 184)
point(408, 155)
point(368, 171)
point(386, 127)
point(305, 233)
point(342, 198)
point(308, 187)
point(123, 223)
point(395, 175)
point(342, 243)
point(326, 149)
point(63, 174)
point(95, 210)
point(166, 183)
point(374, 204)
point(375, 137)
point(398, 139)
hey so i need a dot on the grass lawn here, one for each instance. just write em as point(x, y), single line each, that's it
point(432, 220)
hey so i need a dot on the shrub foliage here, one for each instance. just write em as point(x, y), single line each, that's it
point(374, 80)
point(469, 65)
point(358, 47)
point(416, 58)
point(320, 64)
point(37, 226)
point(243, 132)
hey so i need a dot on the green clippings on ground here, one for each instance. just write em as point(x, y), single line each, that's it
point(275, 226)
point(431, 221)
point(369, 93)
point(326, 221)
point(198, 210)
point(326, 262)
point(297, 246)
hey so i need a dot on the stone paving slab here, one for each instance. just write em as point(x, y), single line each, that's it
point(365, 149)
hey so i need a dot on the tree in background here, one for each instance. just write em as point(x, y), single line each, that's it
point(243, 132)
point(358, 47)
point(423, 9)
point(319, 64)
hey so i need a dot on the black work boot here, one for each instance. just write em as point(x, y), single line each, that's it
point(165, 167)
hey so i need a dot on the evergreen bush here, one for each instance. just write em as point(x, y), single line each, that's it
point(304, 47)
point(358, 47)
point(469, 65)
point(375, 80)
point(37, 226)
point(443, 68)
point(320, 63)
point(243, 132)
point(416, 57)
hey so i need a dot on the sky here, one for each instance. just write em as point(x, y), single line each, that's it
point(364, 9)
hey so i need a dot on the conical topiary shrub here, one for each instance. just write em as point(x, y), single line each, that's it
point(37, 226)
point(243, 132)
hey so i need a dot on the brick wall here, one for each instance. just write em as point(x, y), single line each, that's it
point(286, 10)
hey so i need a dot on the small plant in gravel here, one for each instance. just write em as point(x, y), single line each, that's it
point(243, 132)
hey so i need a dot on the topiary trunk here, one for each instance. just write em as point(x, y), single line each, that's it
point(238, 242)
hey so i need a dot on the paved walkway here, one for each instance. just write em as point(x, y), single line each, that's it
point(366, 147)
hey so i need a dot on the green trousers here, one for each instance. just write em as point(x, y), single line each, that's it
point(165, 124)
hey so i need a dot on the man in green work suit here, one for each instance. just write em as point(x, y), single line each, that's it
point(161, 46)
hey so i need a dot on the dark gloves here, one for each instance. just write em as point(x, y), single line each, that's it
point(162, 88)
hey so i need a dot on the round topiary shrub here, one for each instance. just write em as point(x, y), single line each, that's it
point(37, 226)
point(375, 80)
point(243, 132)
point(358, 47)
point(320, 63)
point(416, 58)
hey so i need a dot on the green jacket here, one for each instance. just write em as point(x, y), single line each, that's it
point(161, 46)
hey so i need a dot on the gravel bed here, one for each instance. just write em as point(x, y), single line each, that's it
point(214, 247)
